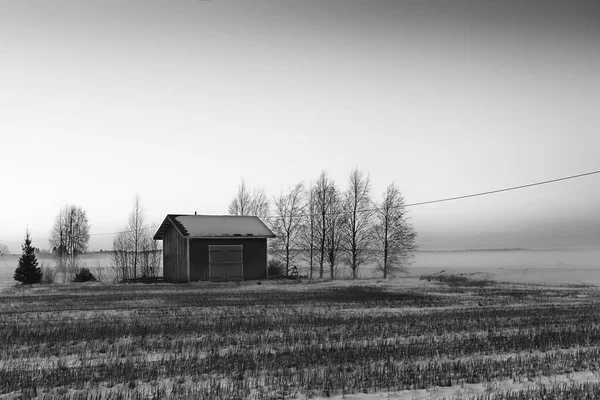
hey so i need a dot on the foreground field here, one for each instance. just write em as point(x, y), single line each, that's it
point(400, 339)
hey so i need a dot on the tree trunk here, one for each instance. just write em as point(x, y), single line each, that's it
point(287, 259)
point(322, 259)
point(311, 253)
point(385, 251)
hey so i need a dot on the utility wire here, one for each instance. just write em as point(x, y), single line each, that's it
point(372, 209)
point(502, 190)
point(125, 231)
point(104, 233)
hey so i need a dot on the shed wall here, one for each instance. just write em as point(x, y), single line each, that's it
point(255, 257)
point(174, 256)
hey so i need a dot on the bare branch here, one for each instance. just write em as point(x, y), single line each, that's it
point(250, 202)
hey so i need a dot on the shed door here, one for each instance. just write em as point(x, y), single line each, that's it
point(226, 263)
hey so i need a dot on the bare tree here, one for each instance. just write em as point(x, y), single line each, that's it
point(334, 228)
point(3, 249)
point(322, 206)
point(309, 227)
point(260, 204)
point(288, 223)
point(328, 222)
point(69, 238)
point(241, 203)
point(250, 202)
point(135, 254)
point(58, 243)
point(395, 236)
point(151, 256)
point(136, 229)
point(121, 257)
point(358, 227)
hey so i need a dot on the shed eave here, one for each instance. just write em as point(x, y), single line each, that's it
point(162, 229)
point(233, 237)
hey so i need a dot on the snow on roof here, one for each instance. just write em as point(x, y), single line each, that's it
point(217, 226)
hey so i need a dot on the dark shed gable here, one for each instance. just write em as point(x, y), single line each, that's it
point(187, 240)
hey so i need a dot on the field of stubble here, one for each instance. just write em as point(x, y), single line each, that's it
point(399, 339)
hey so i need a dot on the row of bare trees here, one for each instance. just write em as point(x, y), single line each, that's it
point(135, 254)
point(330, 229)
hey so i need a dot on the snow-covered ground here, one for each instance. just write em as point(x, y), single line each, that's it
point(468, 390)
point(454, 392)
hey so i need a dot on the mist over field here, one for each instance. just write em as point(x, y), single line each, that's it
point(552, 258)
point(543, 262)
point(8, 264)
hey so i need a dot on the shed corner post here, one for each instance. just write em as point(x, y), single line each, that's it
point(267, 257)
point(188, 260)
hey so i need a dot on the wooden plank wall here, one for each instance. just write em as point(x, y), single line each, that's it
point(255, 257)
point(175, 256)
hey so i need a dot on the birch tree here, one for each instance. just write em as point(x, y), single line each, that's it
point(121, 257)
point(358, 226)
point(309, 227)
point(135, 254)
point(69, 238)
point(151, 256)
point(334, 228)
point(134, 237)
point(250, 202)
point(323, 188)
point(288, 223)
point(394, 235)
point(328, 222)
point(241, 203)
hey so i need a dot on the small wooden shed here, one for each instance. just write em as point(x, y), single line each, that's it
point(213, 247)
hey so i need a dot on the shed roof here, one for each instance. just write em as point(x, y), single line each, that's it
point(214, 226)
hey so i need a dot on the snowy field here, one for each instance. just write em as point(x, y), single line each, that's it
point(405, 338)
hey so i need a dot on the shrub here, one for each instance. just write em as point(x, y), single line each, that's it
point(457, 280)
point(276, 267)
point(142, 279)
point(84, 275)
point(48, 274)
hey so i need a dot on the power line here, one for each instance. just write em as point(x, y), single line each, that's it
point(372, 209)
point(503, 190)
point(103, 233)
point(126, 231)
point(8, 241)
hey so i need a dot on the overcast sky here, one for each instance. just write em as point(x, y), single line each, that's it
point(178, 100)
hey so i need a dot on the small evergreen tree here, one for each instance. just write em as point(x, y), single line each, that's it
point(28, 271)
